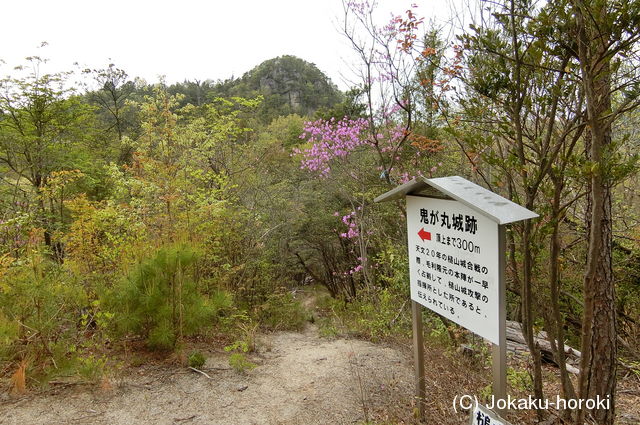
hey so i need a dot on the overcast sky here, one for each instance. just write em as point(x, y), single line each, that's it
point(184, 39)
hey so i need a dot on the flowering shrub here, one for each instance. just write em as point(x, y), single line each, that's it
point(350, 221)
point(330, 139)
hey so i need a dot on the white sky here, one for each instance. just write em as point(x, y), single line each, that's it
point(184, 39)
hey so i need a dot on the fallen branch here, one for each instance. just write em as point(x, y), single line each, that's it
point(190, 417)
point(199, 371)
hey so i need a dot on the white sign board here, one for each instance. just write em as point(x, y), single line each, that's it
point(480, 415)
point(453, 263)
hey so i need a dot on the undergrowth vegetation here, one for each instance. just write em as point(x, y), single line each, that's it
point(160, 299)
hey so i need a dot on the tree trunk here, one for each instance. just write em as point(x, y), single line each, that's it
point(557, 322)
point(527, 312)
point(598, 362)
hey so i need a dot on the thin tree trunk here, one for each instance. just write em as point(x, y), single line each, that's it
point(568, 391)
point(527, 313)
point(598, 362)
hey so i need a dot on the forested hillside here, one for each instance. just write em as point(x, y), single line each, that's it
point(137, 218)
point(287, 85)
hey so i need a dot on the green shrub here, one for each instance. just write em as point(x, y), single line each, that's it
point(375, 315)
point(282, 312)
point(327, 329)
point(92, 368)
point(239, 362)
point(379, 312)
point(160, 299)
point(196, 359)
point(40, 306)
point(245, 344)
point(519, 379)
point(9, 330)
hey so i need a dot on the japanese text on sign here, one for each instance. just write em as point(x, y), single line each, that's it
point(466, 223)
point(480, 415)
point(453, 263)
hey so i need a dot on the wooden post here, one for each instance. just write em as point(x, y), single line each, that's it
point(499, 351)
point(418, 357)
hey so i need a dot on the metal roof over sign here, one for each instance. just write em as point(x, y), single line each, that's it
point(494, 206)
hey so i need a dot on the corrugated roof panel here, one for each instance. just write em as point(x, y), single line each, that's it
point(494, 206)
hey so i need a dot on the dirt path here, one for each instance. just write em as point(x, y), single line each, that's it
point(301, 378)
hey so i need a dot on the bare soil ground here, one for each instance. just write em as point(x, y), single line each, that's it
point(300, 379)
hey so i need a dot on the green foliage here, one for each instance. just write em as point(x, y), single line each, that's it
point(103, 237)
point(246, 331)
point(486, 392)
point(634, 367)
point(437, 329)
point(45, 132)
point(9, 331)
point(283, 133)
point(92, 368)
point(352, 106)
point(519, 379)
point(203, 191)
point(281, 312)
point(45, 321)
point(40, 305)
point(160, 299)
point(241, 346)
point(392, 268)
point(240, 363)
point(115, 113)
point(327, 328)
point(245, 344)
point(377, 315)
point(196, 359)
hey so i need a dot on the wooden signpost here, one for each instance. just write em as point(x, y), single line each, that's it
point(456, 243)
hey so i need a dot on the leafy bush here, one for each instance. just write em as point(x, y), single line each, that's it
point(282, 312)
point(519, 379)
point(196, 359)
point(161, 301)
point(239, 362)
point(102, 238)
point(9, 330)
point(40, 305)
point(92, 368)
point(380, 312)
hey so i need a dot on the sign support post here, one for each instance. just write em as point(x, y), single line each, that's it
point(418, 357)
point(499, 351)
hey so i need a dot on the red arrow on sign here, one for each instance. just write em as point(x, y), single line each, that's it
point(424, 235)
